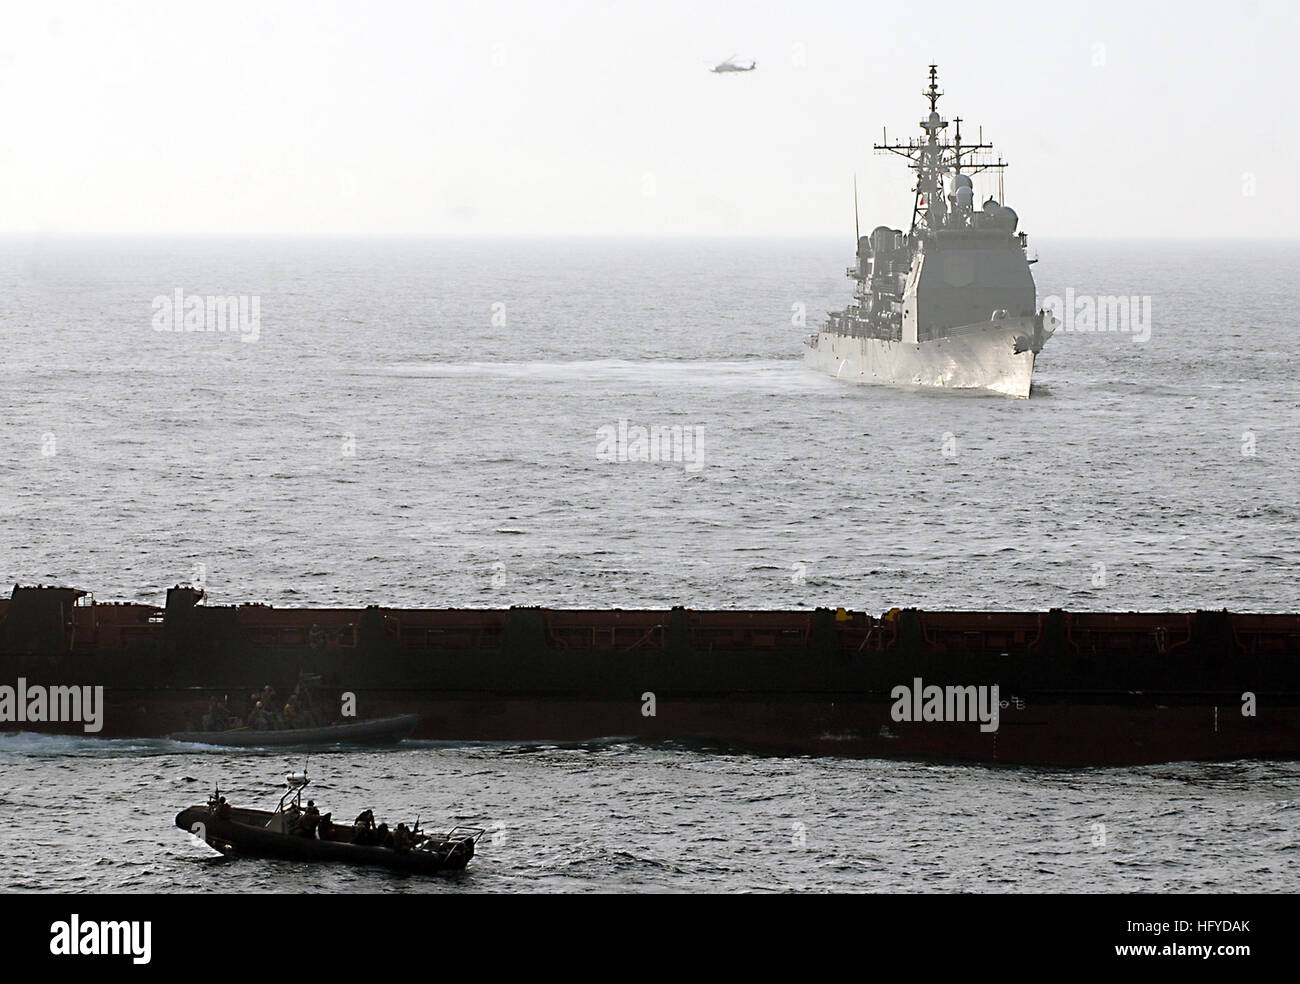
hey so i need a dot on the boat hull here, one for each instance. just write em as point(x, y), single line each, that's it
point(1079, 729)
point(377, 731)
point(990, 356)
point(1081, 688)
point(245, 838)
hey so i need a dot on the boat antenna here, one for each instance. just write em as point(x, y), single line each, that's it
point(857, 233)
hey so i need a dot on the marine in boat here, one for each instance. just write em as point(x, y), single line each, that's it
point(303, 718)
point(295, 832)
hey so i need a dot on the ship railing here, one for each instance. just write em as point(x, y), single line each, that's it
point(974, 328)
point(464, 832)
point(444, 848)
point(854, 329)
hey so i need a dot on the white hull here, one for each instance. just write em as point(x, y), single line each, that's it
point(981, 357)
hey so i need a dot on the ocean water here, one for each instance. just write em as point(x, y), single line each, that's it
point(473, 477)
point(418, 424)
point(610, 817)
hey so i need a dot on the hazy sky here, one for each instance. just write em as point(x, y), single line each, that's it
point(1117, 118)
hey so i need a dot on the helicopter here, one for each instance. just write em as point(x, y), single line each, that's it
point(731, 65)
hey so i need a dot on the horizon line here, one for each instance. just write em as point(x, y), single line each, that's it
point(325, 237)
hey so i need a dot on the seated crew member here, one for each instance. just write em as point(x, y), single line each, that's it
point(402, 839)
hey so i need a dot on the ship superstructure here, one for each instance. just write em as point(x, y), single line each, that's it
point(951, 302)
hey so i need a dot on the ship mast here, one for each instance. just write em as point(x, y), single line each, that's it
point(932, 157)
point(857, 233)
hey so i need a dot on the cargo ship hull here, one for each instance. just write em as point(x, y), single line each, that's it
point(1072, 688)
point(1107, 730)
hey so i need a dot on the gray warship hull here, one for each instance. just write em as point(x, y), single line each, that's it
point(983, 356)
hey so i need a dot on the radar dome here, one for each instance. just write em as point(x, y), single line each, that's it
point(960, 181)
point(1007, 216)
point(882, 239)
point(964, 196)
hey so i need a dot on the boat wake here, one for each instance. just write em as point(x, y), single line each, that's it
point(713, 371)
point(30, 744)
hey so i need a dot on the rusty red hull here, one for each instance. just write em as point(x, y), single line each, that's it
point(1073, 688)
point(1063, 733)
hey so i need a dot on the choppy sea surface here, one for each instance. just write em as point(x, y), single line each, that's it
point(418, 423)
point(608, 817)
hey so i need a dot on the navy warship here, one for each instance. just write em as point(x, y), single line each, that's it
point(951, 302)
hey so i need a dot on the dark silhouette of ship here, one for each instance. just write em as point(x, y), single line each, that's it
point(1073, 687)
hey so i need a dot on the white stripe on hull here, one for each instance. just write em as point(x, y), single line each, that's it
point(977, 357)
